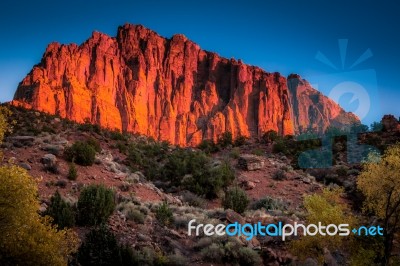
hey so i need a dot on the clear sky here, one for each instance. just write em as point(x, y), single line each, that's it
point(301, 37)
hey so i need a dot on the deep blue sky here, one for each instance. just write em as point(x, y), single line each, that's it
point(282, 36)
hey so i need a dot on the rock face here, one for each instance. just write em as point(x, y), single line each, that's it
point(170, 89)
point(390, 123)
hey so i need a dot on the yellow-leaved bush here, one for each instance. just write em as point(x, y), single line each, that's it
point(380, 183)
point(26, 238)
point(326, 208)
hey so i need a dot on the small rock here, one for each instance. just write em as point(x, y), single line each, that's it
point(232, 217)
point(49, 159)
point(53, 149)
point(143, 238)
point(248, 185)
point(43, 207)
point(26, 166)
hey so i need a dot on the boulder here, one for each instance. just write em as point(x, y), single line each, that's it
point(49, 160)
point(250, 162)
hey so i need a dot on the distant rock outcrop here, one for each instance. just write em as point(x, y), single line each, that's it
point(171, 90)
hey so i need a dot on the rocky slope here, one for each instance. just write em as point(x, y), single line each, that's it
point(171, 90)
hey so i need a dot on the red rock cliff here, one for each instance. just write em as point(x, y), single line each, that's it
point(170, 89)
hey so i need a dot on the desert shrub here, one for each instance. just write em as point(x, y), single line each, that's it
point(62, 213)
point(248, 257)
point(177, 260)
point(94, 143)
point(147, 256)
point(269, 204)
point(133, 211)
point(240, 141)
point(117, 135)
point(225, 139)
point(332, 131)
point(192, 199)
point(46, 128)
point(235, 153)
point(269, 136)
point(227, 251)
point(81, 153)
point(341, 171)
point(214, 253)
point(72, 172)
point(122, 147)
point(136, 216)
point(376, 126)
point(236, 199)
point(208, 181)
point(61, 183)
point(87, 126)
point(208, 146)
point(147, 156)
point(193, 170)
point(279, 175)
point(164, 214)
point(52, 168)
point(125, 186)
point(101, 248)
point(95, 205)
point(5, 113)
point(280, 146)
point(258, 152)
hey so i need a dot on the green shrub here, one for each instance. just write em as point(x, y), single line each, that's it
point(258, 152)
point(240, 141)
point(214, 253)
point(122, 147)
point(279, 175)
point(94, 143)
point(164, 214)
point(249, 257)
point(81, 152)
point(101, 248)
point(62, 213)
point(280, 146)
point(235, 199)
point(208, 146)
point(136, 216)
point(95, 205)
point(205, 180)
point(177, 260)
point(235, 153)
point(341, 171)
point(89, 127)
point(193, 199)
point(52, 168)
point(269, 136)
point(225, 139)
point(117, 135)
point(227, 251)
point(269, 204)
point(72, 172)
point(145, 156)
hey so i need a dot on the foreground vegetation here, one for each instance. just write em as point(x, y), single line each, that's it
point(198, 176)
